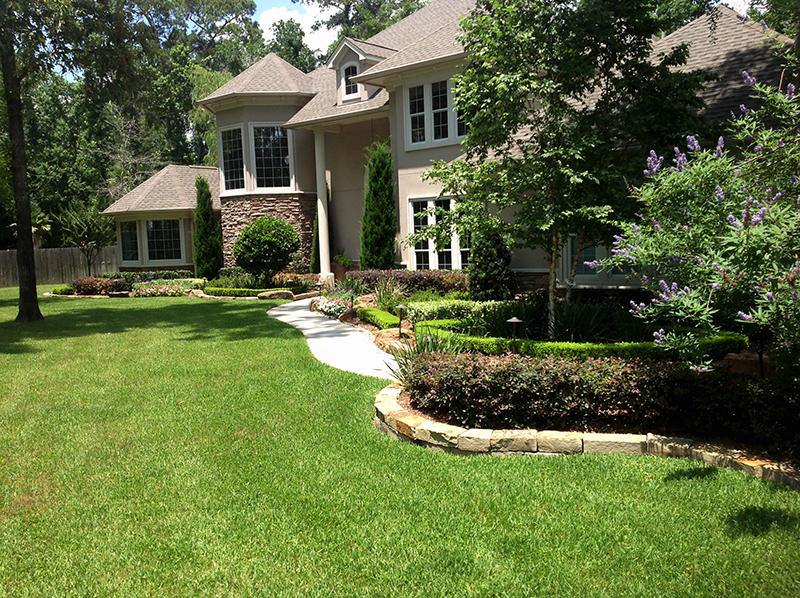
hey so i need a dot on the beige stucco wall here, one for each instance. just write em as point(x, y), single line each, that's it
point(345, 159)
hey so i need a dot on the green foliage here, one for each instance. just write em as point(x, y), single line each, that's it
point(182, 284)
point(90, 286)
point(556, 165)
point(378, 317)
point(715, 347)
point(476, 391)
point(389, 293)
point(439, 281)
point(63, 290)
point(445, 309)
point(132, 277)
point(717, 238)
point(264, 247)
point(84, 227)
point(288, 43)
point(490, 274)
point(119, 285)
point(207, 233)
point(314, 267)
point(379, 222)
point(231, 292)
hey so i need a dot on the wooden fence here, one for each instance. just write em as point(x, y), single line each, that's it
point(57, 266)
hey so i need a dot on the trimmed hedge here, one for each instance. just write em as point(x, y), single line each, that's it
point(131, 277)
point(63, 290)
point(90, 285)
point(440, 281)
point(446, 309)
point(509, 391)
point(221, 292)
point(716, 347)
point(378, 317)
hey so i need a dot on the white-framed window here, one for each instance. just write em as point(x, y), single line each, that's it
point(430, 115)
point(425, 256)
point(272, 156)
point(232, 157)
point(129, 240)
point(164, 242)
point(349, 87)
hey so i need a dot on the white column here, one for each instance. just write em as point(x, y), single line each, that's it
point(322, 208)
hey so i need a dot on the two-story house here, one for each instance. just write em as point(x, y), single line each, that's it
point(292, 144)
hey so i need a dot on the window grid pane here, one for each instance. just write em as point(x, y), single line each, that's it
point(233, 159)
point(461, 124)
point(272, 157)
point(350, 87)
point(129, 241)
point(421, 249)
point(163, 240)
point(416, 108)
point(439, 108)
point(588, 254)
point(464, 244)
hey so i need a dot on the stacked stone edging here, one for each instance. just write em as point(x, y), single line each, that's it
point(392, 419)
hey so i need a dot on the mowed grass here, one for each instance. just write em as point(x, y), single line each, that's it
point(182, 447)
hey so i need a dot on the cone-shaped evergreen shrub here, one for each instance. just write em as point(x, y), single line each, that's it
point(379, 222)
point(490, 274)
point(314, 265)
point(207, 234)
point(265, 247)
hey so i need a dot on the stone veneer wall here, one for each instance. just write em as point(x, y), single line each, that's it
point(531, 281)
point(297, 209)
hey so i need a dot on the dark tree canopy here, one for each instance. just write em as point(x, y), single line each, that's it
point(288, 43)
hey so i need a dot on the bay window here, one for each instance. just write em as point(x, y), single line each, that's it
point(272, 157)
point(232, 158)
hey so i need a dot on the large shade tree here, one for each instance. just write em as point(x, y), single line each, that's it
point(558, 97)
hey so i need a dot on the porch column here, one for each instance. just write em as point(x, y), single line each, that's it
point(322, 208)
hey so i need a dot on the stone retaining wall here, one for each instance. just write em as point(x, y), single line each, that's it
point(298, 209)
point(399, 423)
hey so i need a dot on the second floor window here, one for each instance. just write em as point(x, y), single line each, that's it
point(232, 159)
point(350, 87)
point(271, 152)
point(416, 108)
point(432, 119)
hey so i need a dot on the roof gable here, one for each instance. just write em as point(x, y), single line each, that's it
point(171, 188)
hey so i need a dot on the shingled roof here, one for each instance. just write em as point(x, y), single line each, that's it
point(269, 76)
point(172, 188)
point(734, 45)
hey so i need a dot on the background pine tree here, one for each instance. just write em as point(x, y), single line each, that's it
point(490, 274)
point(379, 222)
point(207, 234)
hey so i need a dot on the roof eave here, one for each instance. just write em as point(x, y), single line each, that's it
point(337, 120)
point(212, 103)
point(379, 78)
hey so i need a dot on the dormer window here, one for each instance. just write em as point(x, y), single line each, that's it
point(350, 87)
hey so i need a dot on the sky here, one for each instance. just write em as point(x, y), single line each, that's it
point(272, 11)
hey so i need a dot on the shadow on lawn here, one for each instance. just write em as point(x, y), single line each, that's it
point(755, 521)
point(202, 319)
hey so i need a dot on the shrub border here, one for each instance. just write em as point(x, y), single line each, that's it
point(395, 421)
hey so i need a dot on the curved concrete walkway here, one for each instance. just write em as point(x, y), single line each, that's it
point(339, 345)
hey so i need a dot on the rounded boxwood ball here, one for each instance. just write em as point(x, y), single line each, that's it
point(265, 246)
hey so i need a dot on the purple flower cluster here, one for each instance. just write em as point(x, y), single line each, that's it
point(720, 147)
point(698, 368)
point(744, 316)
point(636, 308)
point(692, 144)
point(720, 193)
point(670, 292)
point(659, 337)
point(744, 109)
point(770, 297)
point(748, 215)
point(592, 264)
point(790, 91)
point(748, 80)
point(626, 251)
point(653, 163)
point(733, 222)
point(680, 160)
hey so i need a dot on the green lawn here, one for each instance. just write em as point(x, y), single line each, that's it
point(182, 447)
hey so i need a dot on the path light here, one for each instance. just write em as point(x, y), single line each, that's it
point(400, 309)
point(514, 321)
point(319, 286)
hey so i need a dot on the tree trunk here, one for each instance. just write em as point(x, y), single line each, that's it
point(574, 269)
point(26, 263)
point(551, 288)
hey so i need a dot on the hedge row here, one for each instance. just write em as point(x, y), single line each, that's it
point(378, 317)
point(446, 309)
point(439, 281)
point(132, 277)
point(480, 391)
point(716, 347)
point(221, 292)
